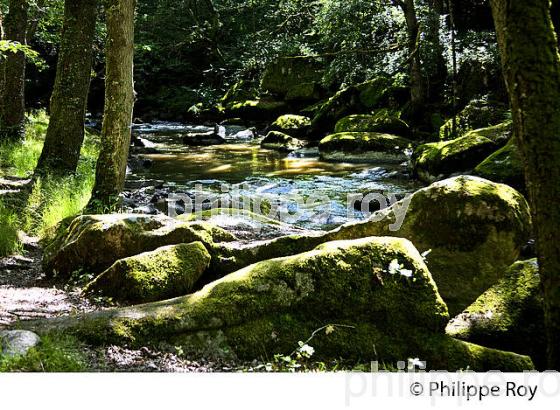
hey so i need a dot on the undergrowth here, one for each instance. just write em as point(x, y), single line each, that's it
point(55, 353)
point(49, 199)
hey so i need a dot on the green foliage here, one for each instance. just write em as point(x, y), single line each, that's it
point(9, 243)
point(50, 199)
point(19, 159)
point(53, 199)
point(55, 353)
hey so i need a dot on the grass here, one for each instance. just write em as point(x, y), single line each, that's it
point(55, 353)
point(51, 199)
point(9, 243)
point(19, 159)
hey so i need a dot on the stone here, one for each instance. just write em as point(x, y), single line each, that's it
point(364, 147)
point(479, 113)
point(281, 142)
point(508, 316)
point(287, 73)
point(438, 160)
point(296, 126)
point(470, 229)
point(377, 294)
point(151, 276)
point(257, 110)
point(92, 243)
point(382, 121)
point(504, 166)
point(17, 342)
point(203, 139)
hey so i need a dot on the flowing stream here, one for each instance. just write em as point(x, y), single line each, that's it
point(165, 165)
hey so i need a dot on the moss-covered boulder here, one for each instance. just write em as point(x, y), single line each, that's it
point(376, 294)
point(151, 276)
point(500, 134)
point(474, 230)
point(240, 91)
point(257, 110)
point(286, 73)
point(504, 166)
point(508, 316)
point(304, 93)
point(356, 99)
point(281, 142)
point(92, 243)
point(382, 120)
point(294, 125)
point(437, 160)
point(479, 113)
point(364, 147)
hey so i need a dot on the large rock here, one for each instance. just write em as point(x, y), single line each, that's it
point(376, 293)
point(473, 228)
point(296, 126)
point(203, 139)
point(504, 166)
point(92, 243)
point(381, 121)
point(281, 142)
point(364, 147)
point(284, 75)
point(257, 110)
point(508, 316)
point(437, 160)
point(151, 276)
point(17, 342)
point(356, 99)
point(479, 113)
point(304, 93)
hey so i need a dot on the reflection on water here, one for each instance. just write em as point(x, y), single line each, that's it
point(234, 163)
point(261, 173)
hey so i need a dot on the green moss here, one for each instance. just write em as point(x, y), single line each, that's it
point(382, 120)
point(364, 146)
point(504, 166)
point(509, 315)
point(161, 274)
point(435, 160)
point(55, 353)
point(477, 114)
point(283, 74)
point(257, 110)
point(294, 125)
point(240, 91)
point(281, 142)
point(94, 242)
point(356, 99)
point(304, 92)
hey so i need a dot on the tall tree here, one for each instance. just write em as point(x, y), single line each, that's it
point(531, 65)
point(119, 103)
point(65, 134)
point(12, 100)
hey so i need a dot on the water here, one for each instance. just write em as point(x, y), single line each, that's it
point(259, 173)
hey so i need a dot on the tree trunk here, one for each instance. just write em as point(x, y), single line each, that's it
point(531, 64)
point(417, 85)
point(12, 101)
point(65, 134)
point(119, 102)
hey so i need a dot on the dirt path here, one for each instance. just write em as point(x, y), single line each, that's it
point(25, 294)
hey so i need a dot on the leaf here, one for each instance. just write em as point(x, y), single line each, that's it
point(329, 329)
